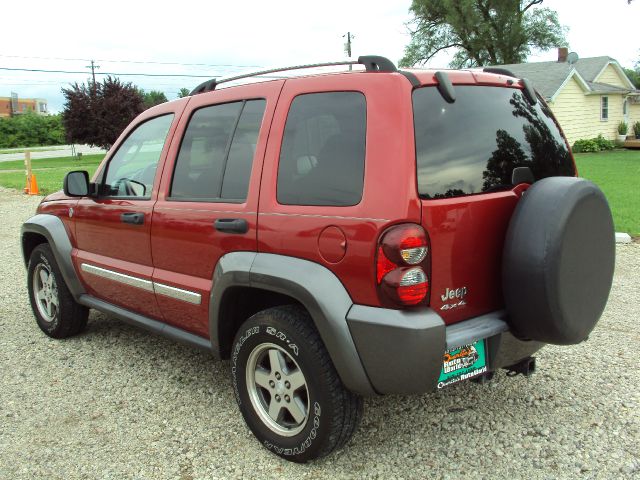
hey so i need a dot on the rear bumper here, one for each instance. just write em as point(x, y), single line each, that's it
point(402, 350)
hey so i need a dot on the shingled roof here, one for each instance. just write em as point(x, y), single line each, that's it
point(549, 77)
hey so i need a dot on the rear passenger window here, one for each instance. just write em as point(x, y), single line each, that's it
point(216, 154)
point(323, 150)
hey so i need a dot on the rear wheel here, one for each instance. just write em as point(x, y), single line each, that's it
point(287, 389)
point(56, 312)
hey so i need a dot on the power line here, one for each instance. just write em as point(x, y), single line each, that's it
point(134, 61)
point(39, 70)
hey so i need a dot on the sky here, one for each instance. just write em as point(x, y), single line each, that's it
point(224, 38)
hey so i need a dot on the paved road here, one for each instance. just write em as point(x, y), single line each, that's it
point(53, 152)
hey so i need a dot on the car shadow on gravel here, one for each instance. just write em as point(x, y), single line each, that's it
point(188, 366)
point(415, 424)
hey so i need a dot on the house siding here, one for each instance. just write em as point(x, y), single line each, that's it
point(579, 114)
point(610, 76)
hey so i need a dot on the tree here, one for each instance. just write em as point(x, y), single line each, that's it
point(634, 76)
point(184, 92)
point(481, 32)
point(30, 129)
point(97, 116)
point(153, 98)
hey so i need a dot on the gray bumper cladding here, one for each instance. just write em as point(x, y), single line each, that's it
point(401, 350)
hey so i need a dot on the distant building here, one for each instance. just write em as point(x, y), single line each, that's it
point(22, 105)
point(588, 96)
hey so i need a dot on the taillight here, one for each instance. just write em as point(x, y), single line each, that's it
point(401, 265)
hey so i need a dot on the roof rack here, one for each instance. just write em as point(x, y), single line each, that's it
point(372, 63)
point(499, 71)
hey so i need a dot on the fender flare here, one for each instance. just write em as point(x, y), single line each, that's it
point(52, 228)
point(314, 286)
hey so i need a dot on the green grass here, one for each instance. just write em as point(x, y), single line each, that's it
point(617, 173)
point(49, 171)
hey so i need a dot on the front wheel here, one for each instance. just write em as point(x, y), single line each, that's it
point(287, 388)
point(57, 313)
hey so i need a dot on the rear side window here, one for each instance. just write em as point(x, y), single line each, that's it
point(323, 150)
point(472, 145)
point(217, 150)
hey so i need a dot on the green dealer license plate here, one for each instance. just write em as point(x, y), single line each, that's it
point(461, 363)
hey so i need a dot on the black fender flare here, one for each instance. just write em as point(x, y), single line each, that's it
point(311, 284)
point(52, 228)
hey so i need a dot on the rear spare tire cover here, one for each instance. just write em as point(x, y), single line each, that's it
point(558, 261)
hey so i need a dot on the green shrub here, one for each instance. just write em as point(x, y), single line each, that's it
point(604, 144)
point(31, 130)
point(592, 145)
point(586, 146)
point(623, 128)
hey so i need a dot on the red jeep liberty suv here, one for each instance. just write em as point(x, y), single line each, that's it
point(334, 236)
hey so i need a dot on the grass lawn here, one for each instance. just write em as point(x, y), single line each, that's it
point(617, 173)
point(49, 171)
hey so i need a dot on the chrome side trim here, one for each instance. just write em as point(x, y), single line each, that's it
point(177, 293)
point(118, 277)
point(148, 285)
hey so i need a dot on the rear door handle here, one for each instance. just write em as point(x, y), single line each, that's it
point(134, 218)
point(231, 225)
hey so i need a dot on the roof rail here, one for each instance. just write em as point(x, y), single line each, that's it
point(499, 71)
point(372, 63)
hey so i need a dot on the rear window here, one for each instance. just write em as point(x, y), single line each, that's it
point(472, 145)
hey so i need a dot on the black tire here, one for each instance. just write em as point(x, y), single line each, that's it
point(68, 317)
point(558, 261)
point(333, 411)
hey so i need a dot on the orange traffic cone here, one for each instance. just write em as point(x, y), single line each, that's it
point(33, 187)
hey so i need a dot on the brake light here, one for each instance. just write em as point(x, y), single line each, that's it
point(401, 265)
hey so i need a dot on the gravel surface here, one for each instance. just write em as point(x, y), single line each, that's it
point(117, 402)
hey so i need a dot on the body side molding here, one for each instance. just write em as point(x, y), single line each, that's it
point(52, 228)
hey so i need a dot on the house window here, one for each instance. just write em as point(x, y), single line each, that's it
point(604, 108)
point(624, 107)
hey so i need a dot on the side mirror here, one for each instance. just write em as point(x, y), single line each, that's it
point(76, 183)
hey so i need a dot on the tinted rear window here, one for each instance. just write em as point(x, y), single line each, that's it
point(473, 145)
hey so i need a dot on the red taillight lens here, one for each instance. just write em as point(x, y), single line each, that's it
point(412, 295)
point(400, 247)
point(384, 265)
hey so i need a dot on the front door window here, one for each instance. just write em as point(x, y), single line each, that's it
point(132, 168)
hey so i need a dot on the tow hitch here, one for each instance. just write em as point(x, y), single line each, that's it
point(525, 367)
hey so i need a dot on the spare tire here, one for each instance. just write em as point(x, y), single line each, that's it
point(558, 261)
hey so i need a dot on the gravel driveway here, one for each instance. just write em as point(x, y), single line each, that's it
point(117, 402)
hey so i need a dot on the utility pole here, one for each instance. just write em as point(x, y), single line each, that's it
point(347, 45)
point(93, 67)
